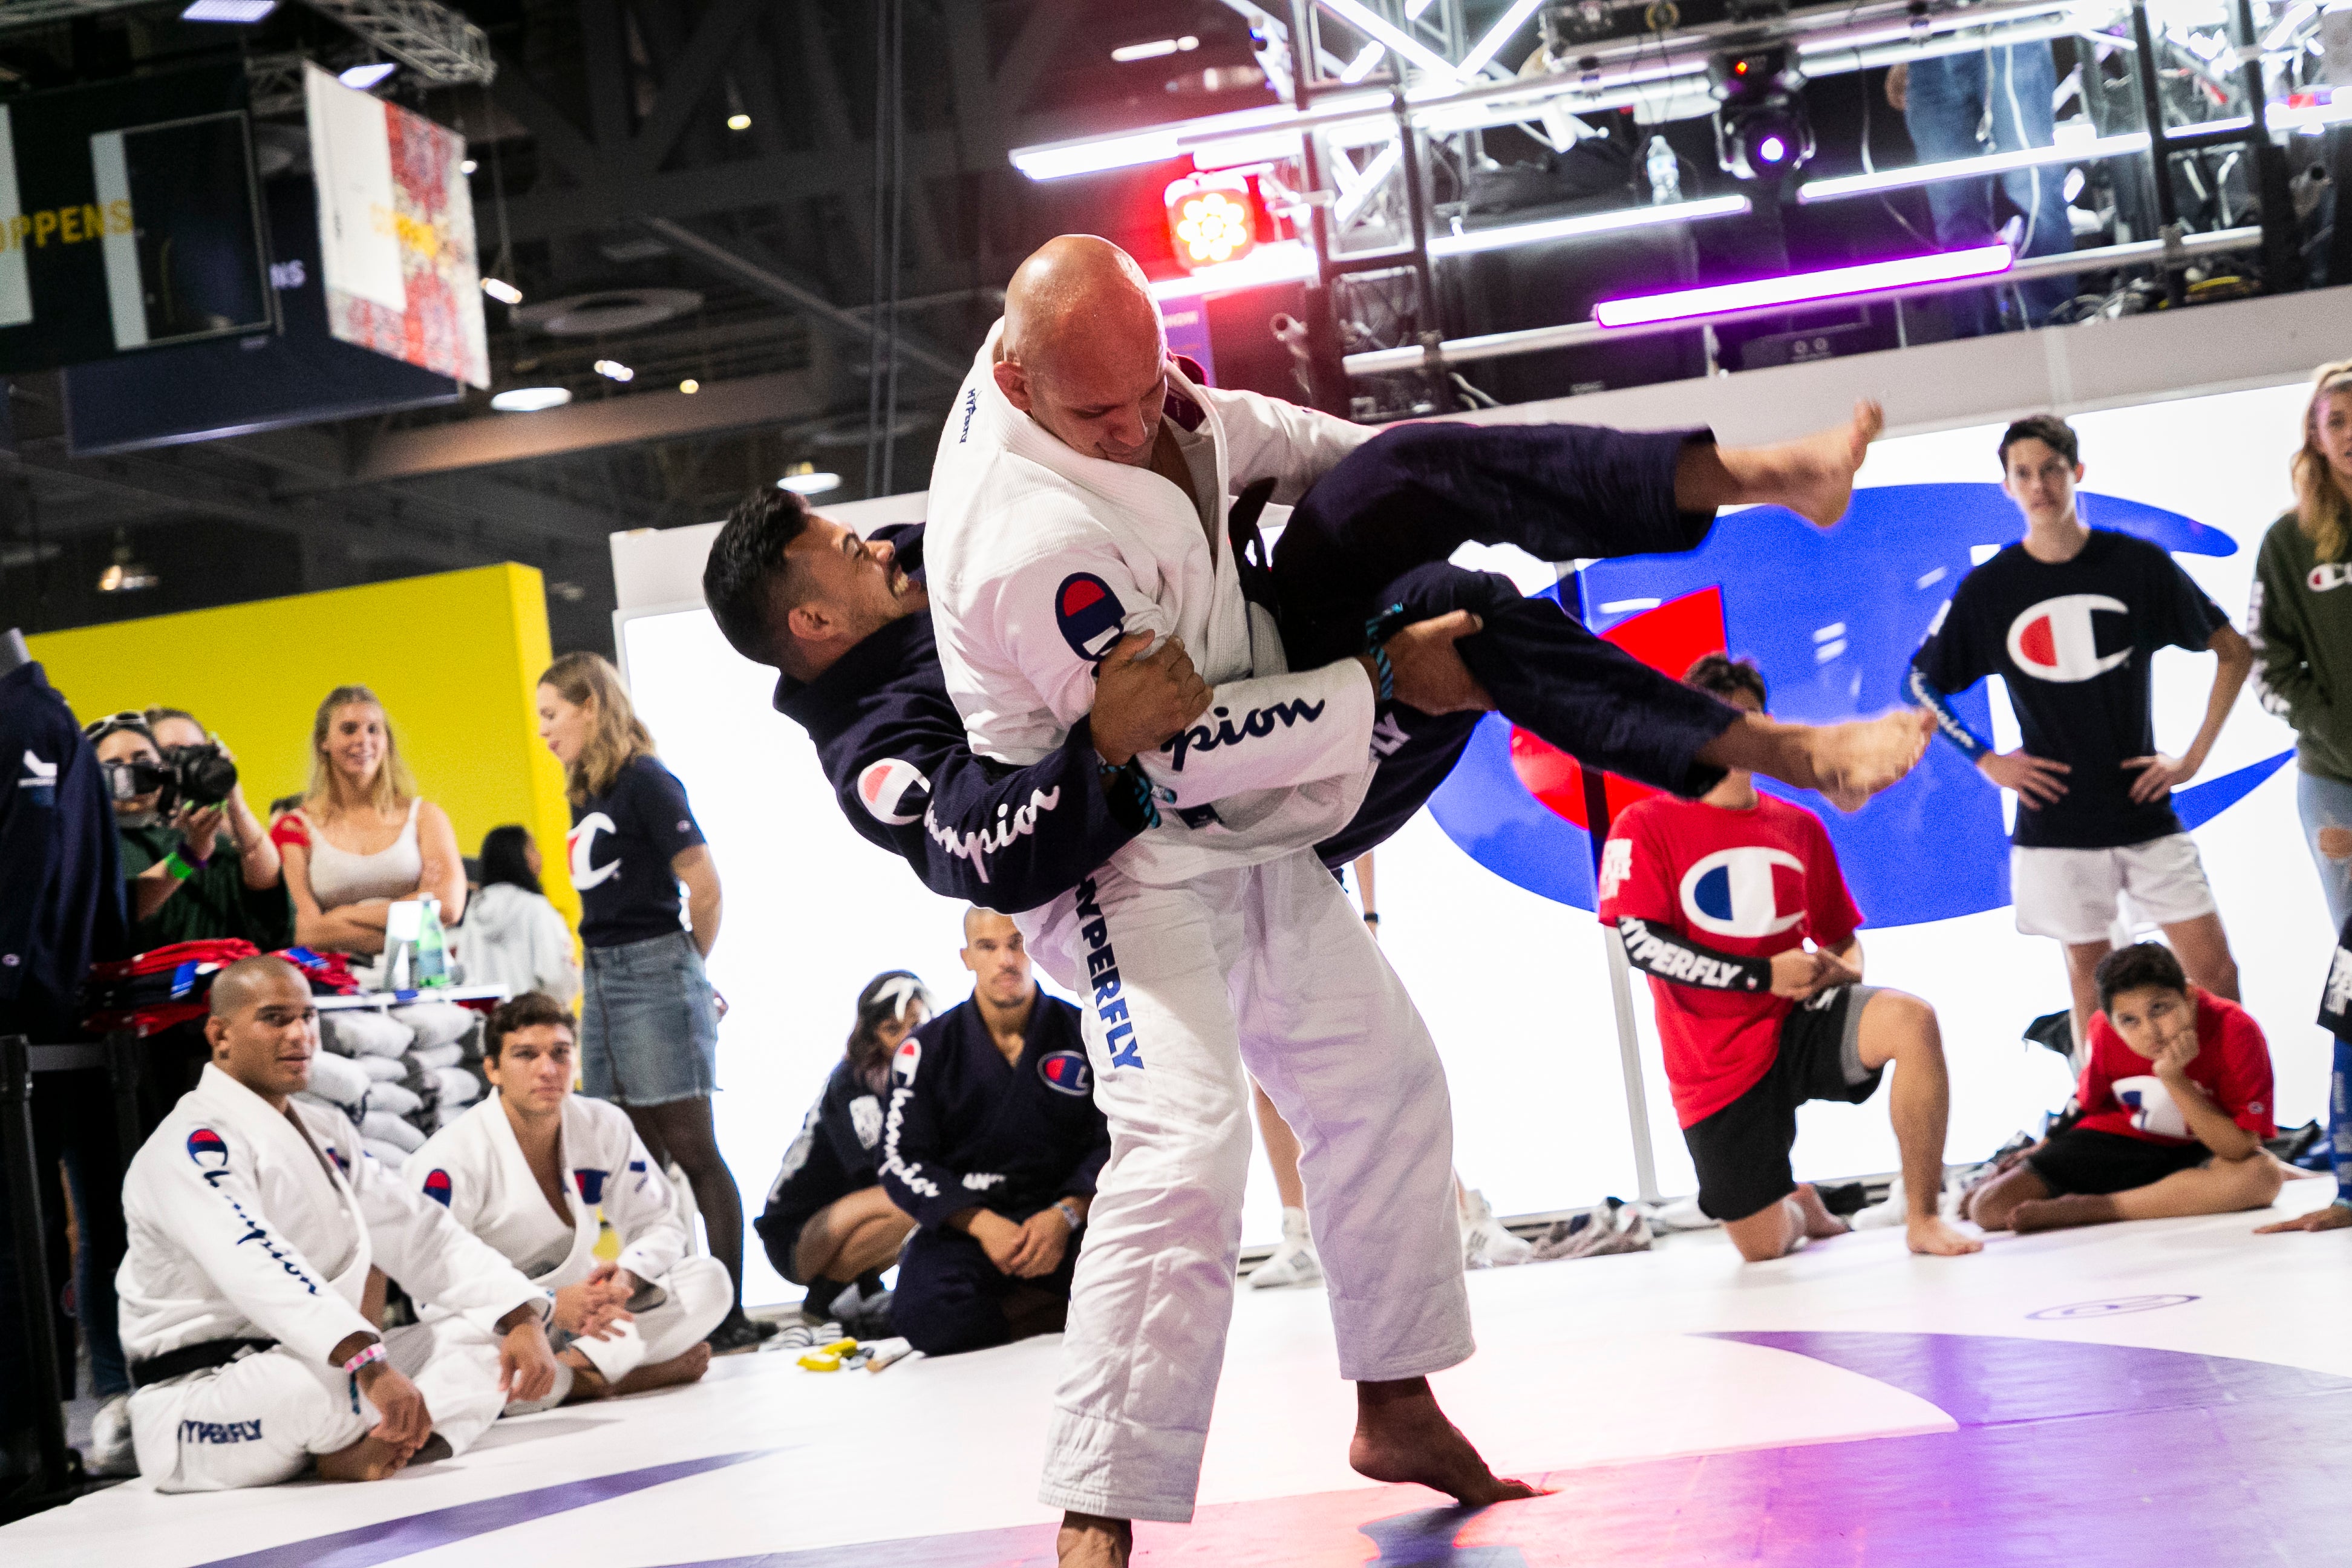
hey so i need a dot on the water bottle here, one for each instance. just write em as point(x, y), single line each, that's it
point(430, 964)
point(1665, 173)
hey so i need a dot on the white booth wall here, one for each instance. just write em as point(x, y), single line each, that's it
point(1513, 985)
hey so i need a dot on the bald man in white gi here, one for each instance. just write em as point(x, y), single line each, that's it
point(254, 1219)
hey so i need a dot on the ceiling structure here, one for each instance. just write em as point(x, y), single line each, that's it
point(683, 186)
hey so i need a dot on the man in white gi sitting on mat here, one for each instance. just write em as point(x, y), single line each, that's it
point(528, 1169)
point(253, 1220)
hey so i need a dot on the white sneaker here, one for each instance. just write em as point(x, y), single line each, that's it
point(1294, 1262)
point(110, 1450)
point(1485, 1243)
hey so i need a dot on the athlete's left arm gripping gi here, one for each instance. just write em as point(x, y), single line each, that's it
point(637, 1204)
point(982, 832)
point(434, 1258)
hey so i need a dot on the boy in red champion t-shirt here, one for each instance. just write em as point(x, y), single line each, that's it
point(1716, 898)
point(2176, 1102)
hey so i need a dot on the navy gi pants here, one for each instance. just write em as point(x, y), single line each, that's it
point(1376, 531)
point(950, 1298)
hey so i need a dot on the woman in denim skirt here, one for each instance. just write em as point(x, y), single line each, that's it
point(648, 1017)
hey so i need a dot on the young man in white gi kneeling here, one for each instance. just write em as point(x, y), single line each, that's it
point(527, 1169)
point(253, 1220)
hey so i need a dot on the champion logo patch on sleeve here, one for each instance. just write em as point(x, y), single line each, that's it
point(1089, 615)
point(437, 1187)
point(208, 1149)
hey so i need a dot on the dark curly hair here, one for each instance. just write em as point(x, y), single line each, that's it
point(530, 1010)
point(1721, 675)
point(746, 556)
point(2142, 966)
point(886, 996)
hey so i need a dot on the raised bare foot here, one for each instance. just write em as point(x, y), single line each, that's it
point(1812, 476)
point(667, 1373)
point(1402, 1435)
point(1853, 762)
point(1090, 1541)
point(1819, 1223)
point(1932, 1236)
point(369, 1459)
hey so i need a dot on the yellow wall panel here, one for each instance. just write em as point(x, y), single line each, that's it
point(455, 657)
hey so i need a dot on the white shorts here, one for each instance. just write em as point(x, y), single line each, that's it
point(2079, 896)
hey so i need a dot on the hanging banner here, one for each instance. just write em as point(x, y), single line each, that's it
point(396, 231)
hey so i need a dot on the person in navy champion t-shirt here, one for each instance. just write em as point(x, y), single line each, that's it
point(1716, 899)
point(2071, 619)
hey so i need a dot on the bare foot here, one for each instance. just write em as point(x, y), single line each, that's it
point(2063, 1212)
point(1812, 476)
point(1853, 762)
point(1932, 1236)
point(1819, 1223)
point(1402, 1435)
point(369, 1459)
point(1090, 1541)
point(670, 1374)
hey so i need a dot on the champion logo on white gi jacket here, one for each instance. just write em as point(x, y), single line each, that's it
point(2153, 1108)
point(437, 1187)
point(208, 1149)
point(583, 844)
point(1737, 892)
point(2057, 640)
point(893, 791)
point(1089, 615)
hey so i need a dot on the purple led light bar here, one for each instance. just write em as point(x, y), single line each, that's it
point(1904, 272)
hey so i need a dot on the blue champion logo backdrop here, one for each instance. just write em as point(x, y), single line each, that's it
point(1832, 618)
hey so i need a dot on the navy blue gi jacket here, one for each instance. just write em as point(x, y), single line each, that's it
point(832, 1157)
point(964, 1129)
point(61, 905)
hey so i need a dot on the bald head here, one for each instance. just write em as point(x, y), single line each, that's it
point(263, 1030)
point(1084, 353)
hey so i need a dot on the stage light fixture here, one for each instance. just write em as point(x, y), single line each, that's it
point(738, 121)
point(689, 386)
point(229, 10)
point(1128, 54)
point(530, 399)
point(1283, 262)
point(1761, 129)
point(807, 479)
point(614, 370)
point(1211, 219)
point(504, 292)
point(1800, 288)
point(367, 76)
point(125, 574)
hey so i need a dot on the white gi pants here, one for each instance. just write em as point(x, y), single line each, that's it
point(699, 1292)
point(1268, 967)
point(260, 1420)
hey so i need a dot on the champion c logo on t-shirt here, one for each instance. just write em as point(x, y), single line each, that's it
point(1741, 892)
point(892, 791)
point(2152, 1107)
point(2056, 640)
point(582, 843)
point(1089, 615)
point(2327, 574)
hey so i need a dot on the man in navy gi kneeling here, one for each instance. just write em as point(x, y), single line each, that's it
point(991, 1142)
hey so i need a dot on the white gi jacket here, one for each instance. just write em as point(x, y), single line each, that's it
point(475, 1168)
point(1038, 559)
point(237, 1231)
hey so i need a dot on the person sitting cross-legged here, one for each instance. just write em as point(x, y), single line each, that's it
point(992, 1142)
point(829, 1226)
point(2175, 1101)
point(1716, 898)
point(528, 1170)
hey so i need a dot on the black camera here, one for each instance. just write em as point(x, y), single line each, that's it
point(187, 775)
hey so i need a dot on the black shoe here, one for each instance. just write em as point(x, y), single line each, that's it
point(738, 1333)
point(864, 1317)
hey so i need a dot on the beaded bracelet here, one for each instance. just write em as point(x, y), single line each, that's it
point(1384, 673)
point(1377, 632)
point(372, 1350)
point(1127, 782)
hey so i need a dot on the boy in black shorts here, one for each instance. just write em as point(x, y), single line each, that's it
point(2175, 1101)
point(1716, 898)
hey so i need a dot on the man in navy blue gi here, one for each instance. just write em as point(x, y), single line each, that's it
point(991, 1142)
point(843, 620)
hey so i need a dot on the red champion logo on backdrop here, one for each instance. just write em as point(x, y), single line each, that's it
point(2058, 639)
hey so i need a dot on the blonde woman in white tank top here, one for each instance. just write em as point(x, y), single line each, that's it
point(363, 838)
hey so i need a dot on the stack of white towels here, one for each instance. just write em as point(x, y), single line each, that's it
point(400, 1075)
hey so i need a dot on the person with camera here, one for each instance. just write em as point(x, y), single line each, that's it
point(196, 862)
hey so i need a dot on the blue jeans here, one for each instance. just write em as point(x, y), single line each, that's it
point(2326, 802)
point(649, 1026)
point(1969, 105)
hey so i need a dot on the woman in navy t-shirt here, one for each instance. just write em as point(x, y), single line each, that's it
point(648, 1017)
